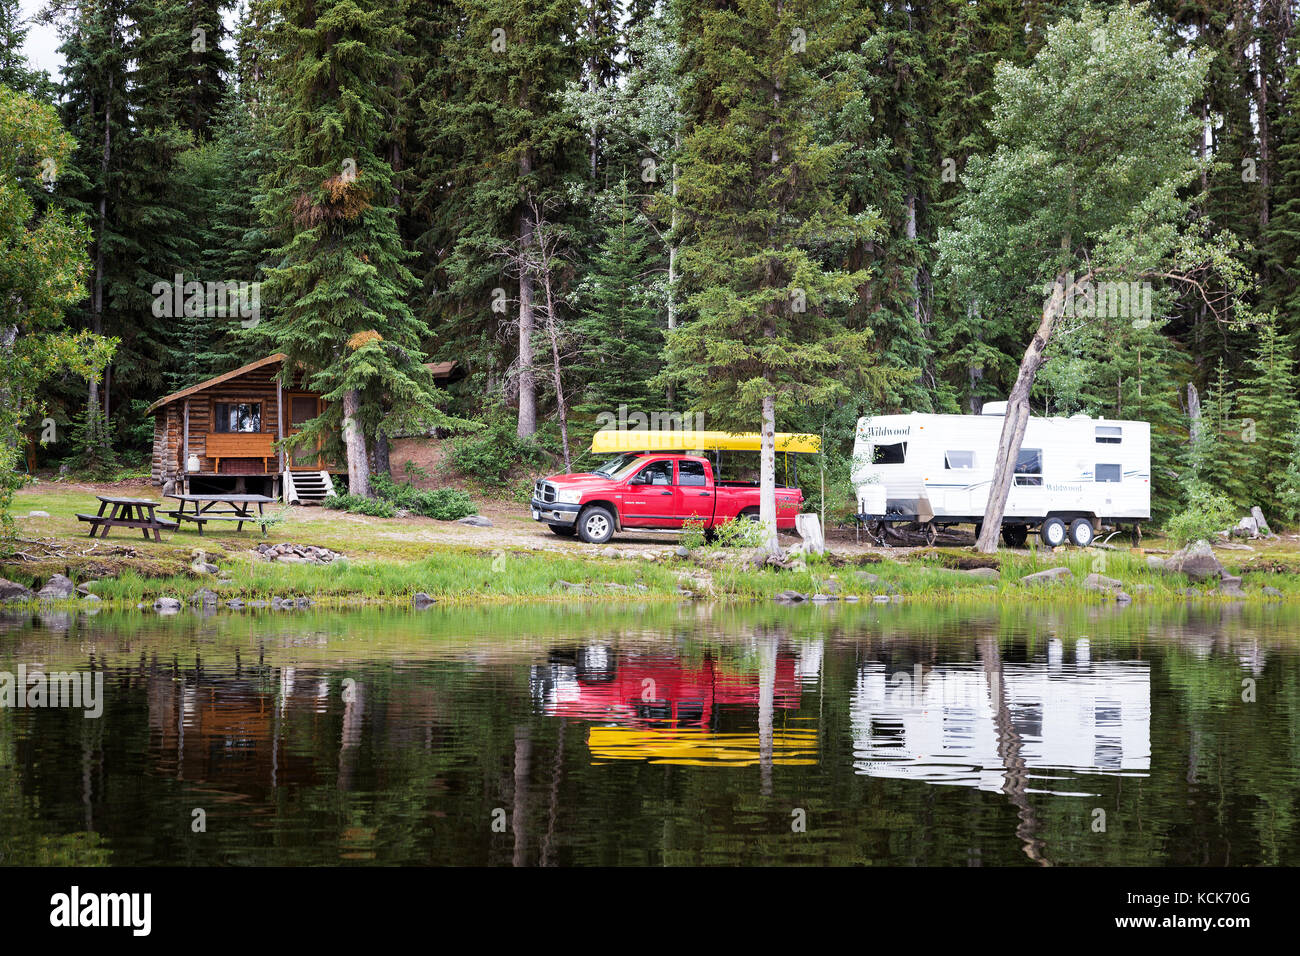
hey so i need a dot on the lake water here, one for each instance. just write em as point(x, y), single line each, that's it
point(881, 735)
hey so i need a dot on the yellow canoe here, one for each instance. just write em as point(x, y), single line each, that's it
point(609, 441)
point(795, 747)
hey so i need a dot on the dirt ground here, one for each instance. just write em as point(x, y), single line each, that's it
point(512, 526)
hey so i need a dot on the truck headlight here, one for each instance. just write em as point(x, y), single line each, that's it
point(568, 497)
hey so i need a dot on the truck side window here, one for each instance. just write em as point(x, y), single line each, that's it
point(1107, 473)
point(658, 473)
point(691, 474)
point(889, 454)
point(1029, 466)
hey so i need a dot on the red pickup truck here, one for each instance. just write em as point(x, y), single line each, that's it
point(650, 491)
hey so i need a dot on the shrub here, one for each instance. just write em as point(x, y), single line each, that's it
point(444, 504)
point(692, 535)
point(738, 533)
point(357, 504)
point(492, 454)
point(1207, 512)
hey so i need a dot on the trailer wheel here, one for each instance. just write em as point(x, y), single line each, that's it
point(1081, 532)
point(1015, 535)
point(595, 524)
point(1053, 532)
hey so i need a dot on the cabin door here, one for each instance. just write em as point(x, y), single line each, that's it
point(302, 409)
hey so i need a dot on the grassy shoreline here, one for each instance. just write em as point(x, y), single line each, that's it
point(465, 576)
point(390, 560)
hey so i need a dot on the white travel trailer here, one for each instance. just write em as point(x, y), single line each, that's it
point(941, 725)
point(1073, 475)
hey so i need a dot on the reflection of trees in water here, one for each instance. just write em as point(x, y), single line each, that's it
point(1009, 753)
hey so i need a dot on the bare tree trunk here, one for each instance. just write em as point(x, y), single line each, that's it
point(561, 407)
point(382, 462)
point(519, 810)
point(1017, 418)
point(1193, 413)
point(355, 442)
point(672, 270)
point(767, 474)
point(527, 379)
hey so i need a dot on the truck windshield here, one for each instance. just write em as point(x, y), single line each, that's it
point(620, 467)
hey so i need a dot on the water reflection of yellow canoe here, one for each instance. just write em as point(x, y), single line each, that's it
point(700, 748)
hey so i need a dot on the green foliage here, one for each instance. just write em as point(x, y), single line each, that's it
point(737, 533)
point(42, 265)
point(444, 504)
point(1207, 513)
point(361, 505)
point(494, 454)
point(1288, 494)
point(693, 534)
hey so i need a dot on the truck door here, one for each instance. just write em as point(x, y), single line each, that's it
point(693, 497)
point(648, 500)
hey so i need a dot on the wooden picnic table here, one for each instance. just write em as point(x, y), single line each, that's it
point(127, 513)
point(236, 508)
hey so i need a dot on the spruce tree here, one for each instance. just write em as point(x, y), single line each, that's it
point(341, 281)
point(767, 332)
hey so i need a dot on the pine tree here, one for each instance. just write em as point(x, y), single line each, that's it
point(1266, 407)
point(617, 328)
point(493, 101)
point(756, 192)
point(341, 282)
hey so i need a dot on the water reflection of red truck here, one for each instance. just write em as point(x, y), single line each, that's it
point(663, 691)
point(664, 710)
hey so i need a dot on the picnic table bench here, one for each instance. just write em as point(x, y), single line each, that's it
point(127, 513)
point(237, 508)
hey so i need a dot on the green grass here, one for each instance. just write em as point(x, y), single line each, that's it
point(389, 560)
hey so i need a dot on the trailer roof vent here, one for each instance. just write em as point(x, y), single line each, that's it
point(994, 408)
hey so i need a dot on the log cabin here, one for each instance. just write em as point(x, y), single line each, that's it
point(223, 435)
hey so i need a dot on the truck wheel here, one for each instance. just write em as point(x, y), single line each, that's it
point(595, 525)
point(563, 530)
point(1081, 532)
point(1052, 532)
point(1015, 535)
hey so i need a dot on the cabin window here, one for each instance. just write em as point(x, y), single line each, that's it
point(691, 474)
point(1029, 466)
point(1108, 473)
point(659, 473)
point(958, 459)
point(1109, 434)
point(236, 417)
point(889, 454)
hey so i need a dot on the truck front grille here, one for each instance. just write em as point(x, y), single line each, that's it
point(544, 491)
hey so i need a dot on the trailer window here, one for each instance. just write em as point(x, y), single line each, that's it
point(1108, 473)
point(958, 459)
point(1109, 434)
point(691, 474)
point(1029, 466)
point(889, 454)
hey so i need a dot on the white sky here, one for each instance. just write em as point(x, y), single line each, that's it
point(42, 43)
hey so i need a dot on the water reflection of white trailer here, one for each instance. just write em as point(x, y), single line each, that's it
point(1066, 721)
point(1072, 476)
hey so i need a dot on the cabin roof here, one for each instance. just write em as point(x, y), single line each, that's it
point(187, 392)
point(439, 369)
